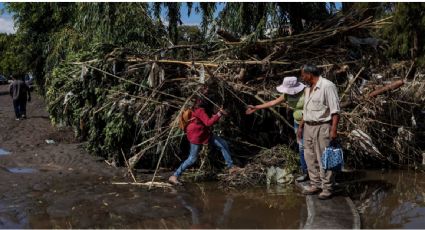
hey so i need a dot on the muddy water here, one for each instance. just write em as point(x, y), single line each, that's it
point(391, 199)
point(4, 152)
point(394, 199)
point(103, 205)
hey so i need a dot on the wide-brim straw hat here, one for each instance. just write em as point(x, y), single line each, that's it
point(291, 86)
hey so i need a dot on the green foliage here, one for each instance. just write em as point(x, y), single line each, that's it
point(173, 17)
point(78, 97)
point(48, 32)
point(35, 23)
point(189, 35)
point(207, 9)
point(11, 58)
point(51, 36)
point(122, 24)
point(407, 31)
point(116, 130)
point(247, 18)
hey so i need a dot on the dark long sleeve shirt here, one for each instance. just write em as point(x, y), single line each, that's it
point(19, 90)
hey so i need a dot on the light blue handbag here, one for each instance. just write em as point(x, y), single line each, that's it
point(333, 158)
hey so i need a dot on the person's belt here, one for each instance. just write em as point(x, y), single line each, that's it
point(314, 123)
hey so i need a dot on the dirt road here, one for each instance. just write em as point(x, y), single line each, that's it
point(26, 141)
point(42, 182)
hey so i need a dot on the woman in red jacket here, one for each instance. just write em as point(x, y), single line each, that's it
point(198, 132)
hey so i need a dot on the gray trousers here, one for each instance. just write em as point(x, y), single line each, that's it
point(316, 139)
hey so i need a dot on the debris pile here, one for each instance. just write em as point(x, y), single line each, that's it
point(126, 104)
point(256, 171)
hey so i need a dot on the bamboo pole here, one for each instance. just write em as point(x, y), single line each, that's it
point(275, 112)
point(365, 22)
point(350, 84)
point(128, 167)
point(144, 98)
point(150, 184)
point(173, 126)
point(211, 64)
point(132, 82)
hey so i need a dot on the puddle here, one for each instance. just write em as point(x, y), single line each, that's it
point(87, 204)
point(22, 170)
point(385, 200)
point(3, 152)
point(393, 199)
point(12, 218)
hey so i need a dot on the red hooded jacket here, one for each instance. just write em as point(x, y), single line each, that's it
point(198, 130)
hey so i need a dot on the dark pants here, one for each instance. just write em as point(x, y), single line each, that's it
point(20, 106)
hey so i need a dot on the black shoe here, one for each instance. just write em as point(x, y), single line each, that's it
point(302, 178)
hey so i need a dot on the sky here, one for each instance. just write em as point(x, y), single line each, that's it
point(6, 20)
point(195, 19)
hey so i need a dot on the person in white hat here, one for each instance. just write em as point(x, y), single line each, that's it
point(293, 95)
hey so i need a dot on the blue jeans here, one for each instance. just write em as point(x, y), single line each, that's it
point(301, 151)
point(194, 153)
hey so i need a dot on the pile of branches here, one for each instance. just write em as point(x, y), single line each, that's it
point(254, 173)
point(385, 120)
point(127, 104)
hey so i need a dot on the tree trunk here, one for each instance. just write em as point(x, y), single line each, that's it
point(346, 6)
point(415, 48)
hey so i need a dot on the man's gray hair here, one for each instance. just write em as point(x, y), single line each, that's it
point(312, 69)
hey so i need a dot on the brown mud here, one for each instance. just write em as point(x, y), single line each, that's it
point(61, 186)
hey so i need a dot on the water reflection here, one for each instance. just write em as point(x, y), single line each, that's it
point(272, 207)
point(196, 214)
point(90, 204)
point(22, 170)
point(3, 152)
point(392, 199)
point(384, 200)
point(12, 217)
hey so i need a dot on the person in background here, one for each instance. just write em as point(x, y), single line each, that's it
point(293, 94)
point(198, 132)
point(20, 93)
point(319, 128)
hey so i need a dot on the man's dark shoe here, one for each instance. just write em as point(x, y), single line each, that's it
point(302, 178)
point(310, 190)
point(325, 194)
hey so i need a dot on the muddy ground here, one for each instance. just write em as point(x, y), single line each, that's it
point(60, 185)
